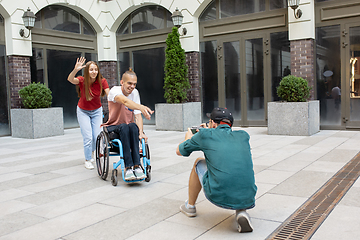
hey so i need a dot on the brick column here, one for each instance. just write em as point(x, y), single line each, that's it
point(192, 60)
point(303, 62)
point(108, 71)
point(19, 77)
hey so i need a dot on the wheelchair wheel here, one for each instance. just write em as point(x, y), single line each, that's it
point(102, 155)
point(147, 149)
point(114, 180)
point(148, 174)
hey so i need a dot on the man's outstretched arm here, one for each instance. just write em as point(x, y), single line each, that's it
point(135, 106)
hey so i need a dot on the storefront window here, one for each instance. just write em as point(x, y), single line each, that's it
point(280, 60)
point(150, 86)
point(37, 65)
point(4, 108)
point(328, 74)
point(209, 76)
point(4, 116)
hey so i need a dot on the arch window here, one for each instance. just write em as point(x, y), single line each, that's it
point(230, 8)
point(145, 19)
point(63, 19)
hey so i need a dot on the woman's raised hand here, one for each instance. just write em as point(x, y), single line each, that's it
point(80, 63)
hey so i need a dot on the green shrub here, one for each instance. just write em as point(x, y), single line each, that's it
point(293, 89)
point(36, 95)
point(176, 82)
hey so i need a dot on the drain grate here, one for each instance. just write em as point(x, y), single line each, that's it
point(305, 221)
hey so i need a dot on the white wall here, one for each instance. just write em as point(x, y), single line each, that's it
point(304, 27)
point(105, 17)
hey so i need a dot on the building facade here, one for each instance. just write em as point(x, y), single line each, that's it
point(237, 52)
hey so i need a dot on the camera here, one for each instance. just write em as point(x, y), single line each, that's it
point(195, 128)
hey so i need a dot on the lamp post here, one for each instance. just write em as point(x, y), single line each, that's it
point(29, 22)
point(294, 4)
point(177, 19)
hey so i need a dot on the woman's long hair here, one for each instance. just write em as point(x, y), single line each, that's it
point(87, 82)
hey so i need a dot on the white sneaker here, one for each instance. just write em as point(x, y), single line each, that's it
point(129, 175)
point(139, 173)
point(243, 220)
point(89, 165)
point(92, 160)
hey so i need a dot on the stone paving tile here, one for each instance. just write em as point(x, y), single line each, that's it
point(65, 224)
point(14, 222)
point(130, 222)
point(302, 184)
point(275, 207)
point(342, 224)
point(46, 193)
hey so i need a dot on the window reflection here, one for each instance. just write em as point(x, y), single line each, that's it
point(57, 18)
point(209, 76)
point(276, 4)
point(145, 19)
point(280, 60)
point(209, 13)
point(63, 19)
point(255, 79)
point(328, 66)
point(150, 86)
point(232, 77)
point(4, 117)
point(37, 65)
point(229, 8)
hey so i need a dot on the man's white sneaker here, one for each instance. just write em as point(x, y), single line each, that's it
point(89, 165)
point(139, 173)
point(243, 220)
point(129, 175)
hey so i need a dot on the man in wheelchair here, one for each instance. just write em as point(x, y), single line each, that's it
point(125, 122)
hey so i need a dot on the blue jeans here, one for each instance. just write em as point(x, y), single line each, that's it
point(89, 121)
point(129, 137)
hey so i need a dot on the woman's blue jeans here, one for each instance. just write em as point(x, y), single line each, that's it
point(89, 121)
point(129, 137)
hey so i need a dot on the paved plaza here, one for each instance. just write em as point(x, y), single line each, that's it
point(46, 193)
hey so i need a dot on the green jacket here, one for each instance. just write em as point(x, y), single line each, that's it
point(229, 181)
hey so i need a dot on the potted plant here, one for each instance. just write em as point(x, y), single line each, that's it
point(177, 114)
point(294, 115)
point(37, 119)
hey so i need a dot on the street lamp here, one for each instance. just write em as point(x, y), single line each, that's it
point(177, 19)
point(294, 4)
point(29, 22)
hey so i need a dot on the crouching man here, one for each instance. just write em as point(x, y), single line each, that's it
point(226, 174)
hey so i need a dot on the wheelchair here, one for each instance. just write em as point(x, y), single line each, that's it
point(106, 147)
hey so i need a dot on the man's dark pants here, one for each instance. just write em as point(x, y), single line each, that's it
point(129, 137)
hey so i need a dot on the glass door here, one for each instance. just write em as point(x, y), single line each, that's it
point(352, 118)
point(241, 79)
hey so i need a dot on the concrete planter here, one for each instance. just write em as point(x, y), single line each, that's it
point(177, 116)
point(37, 123)
point(293, 118)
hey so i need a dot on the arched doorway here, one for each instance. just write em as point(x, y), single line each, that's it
point(59, 37)
point(141, 45)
